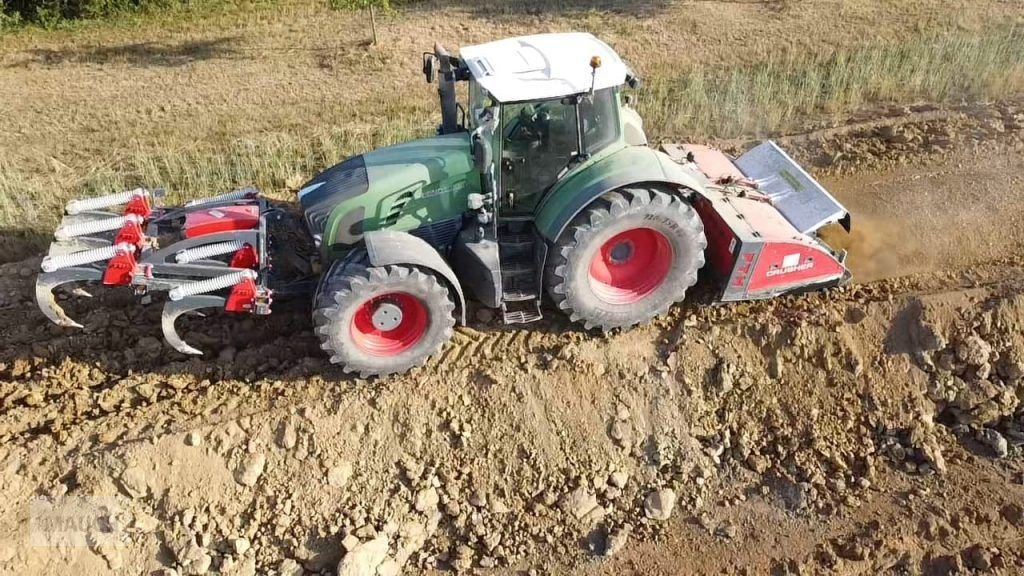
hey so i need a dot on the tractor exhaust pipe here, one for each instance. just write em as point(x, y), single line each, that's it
point(446, 90)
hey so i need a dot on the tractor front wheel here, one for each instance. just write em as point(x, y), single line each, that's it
point(626, 258)
point(378, 321)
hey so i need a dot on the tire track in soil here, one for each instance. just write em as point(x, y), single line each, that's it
point(212, 400)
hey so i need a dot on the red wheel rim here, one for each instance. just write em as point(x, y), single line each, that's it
point(378, 330)
point(630, 265)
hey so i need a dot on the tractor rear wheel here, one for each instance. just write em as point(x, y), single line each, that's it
point(626, 258)
point(379, 321)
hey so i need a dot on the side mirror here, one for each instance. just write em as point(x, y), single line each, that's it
point(428, 67)
point(482, 155)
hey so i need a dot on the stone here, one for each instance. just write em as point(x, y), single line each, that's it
point(364, 559)
point(1014, 514)
point(932, 453)
point(978, 558)
point(996, 441)
point(366, 532)
point(199, 563)
point(287, 435)
point(338, 476)
point(193, 438)
point(497, 505)
point(239, 545)
point(618, 479)
point(855, 315)
point(478, 499)
point(350, 542)
point(621, 412)
point(928, 338)
point(289, 567)
point(143, 522)
point(250, 469)
point(658, 505)
point(426, 500)
point(135, 482)
point(974, 350)
point(111, 554)
point(621, 433)
point(579, 503)
point(983, 372)
point(463, 558)
point(1013, 370)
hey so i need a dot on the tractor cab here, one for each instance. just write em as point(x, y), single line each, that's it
point(538, 109)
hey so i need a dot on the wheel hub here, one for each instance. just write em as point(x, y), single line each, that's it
point(630, 266)
point(621, 252)
point(389, 324)
point(387, 316)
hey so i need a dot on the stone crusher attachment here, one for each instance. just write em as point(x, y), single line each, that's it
point(761, 214)
point(208, 253)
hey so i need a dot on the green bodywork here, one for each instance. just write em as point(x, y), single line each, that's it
point(426, 183)
point(410, 185)
point(617, 166)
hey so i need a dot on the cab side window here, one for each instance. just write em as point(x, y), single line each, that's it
point(600, 120)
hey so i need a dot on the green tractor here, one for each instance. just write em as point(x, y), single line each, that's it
point(539, 183)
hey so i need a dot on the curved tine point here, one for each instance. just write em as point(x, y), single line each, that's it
point(47, 302)
point(174, 309)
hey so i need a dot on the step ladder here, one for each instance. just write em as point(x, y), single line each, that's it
point(520, 301)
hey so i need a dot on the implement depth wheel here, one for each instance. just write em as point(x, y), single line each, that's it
point(378, 321)
point(626, 258)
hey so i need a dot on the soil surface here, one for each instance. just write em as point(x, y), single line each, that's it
point(876, 428)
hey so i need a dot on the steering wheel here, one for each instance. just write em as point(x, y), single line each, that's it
point(532, 127)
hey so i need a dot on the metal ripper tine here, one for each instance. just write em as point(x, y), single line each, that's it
point(86, 204)
point(175, 308)
point(240, 194)
point(77, 244)
point(47, 301)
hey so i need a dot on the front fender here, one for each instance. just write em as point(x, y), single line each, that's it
point(388, 247)
point(629, 166)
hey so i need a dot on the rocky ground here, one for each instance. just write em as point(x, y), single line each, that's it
point(872, 429)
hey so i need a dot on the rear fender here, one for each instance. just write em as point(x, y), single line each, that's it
point(387, 247)
point(630, 166)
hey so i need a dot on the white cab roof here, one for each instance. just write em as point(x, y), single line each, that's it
point(543, 66)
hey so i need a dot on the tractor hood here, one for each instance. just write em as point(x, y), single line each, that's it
point(418, 184)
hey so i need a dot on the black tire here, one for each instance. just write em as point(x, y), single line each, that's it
point(346, 290)
point(617, 214)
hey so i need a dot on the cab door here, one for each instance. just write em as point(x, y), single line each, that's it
point(540, 143)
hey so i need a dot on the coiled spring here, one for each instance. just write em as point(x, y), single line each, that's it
point(211, 285)
point(67, 231)
point(208, 251)
point(52, 263)
point(85, 204)
point(242, 194)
